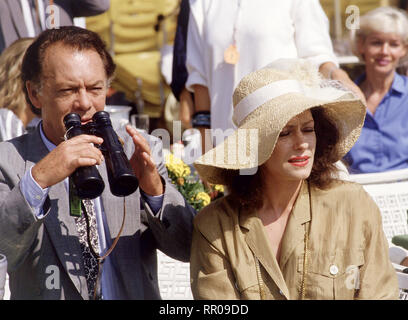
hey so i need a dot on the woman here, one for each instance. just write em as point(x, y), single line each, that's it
point(291, 230)
point(15, 113)
point(228, 39)
point(381, 43)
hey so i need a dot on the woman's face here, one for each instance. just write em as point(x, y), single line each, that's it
point(382, 51)
point(293, 156)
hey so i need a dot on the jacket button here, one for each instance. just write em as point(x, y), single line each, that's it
point(333, 269)
point(281, 292)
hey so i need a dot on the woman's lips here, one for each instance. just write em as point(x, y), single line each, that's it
point(299, 161)
point(382, 62)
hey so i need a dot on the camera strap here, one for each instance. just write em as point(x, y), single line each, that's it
point(98, 289)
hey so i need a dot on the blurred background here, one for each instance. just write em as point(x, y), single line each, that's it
point(140, 36)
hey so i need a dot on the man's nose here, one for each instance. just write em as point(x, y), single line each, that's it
point(82, 100)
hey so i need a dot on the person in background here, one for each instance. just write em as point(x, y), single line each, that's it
point(27, 18)
point(381, 43)
point(228, 39)
point(179, 70)
point(44, 229)
point(289, 228)
point(16, 115)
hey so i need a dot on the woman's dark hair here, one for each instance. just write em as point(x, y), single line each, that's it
point(247, 189)
point(324, 169)
point(70, 36)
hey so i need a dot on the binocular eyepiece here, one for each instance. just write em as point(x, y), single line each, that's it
point(87, 180)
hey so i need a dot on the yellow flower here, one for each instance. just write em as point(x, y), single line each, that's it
point(204, 197)
point(177, 166)
point(219, 188)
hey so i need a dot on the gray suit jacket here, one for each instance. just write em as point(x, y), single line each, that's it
point(37, 249)
point(12, 24)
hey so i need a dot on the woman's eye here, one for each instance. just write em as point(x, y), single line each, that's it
point(309, 129)
point(284, 133)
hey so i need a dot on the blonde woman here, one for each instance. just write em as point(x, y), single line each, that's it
point(382, 43)
point(15, 113)
point(292, 230)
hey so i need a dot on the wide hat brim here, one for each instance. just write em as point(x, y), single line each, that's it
point(254, 141)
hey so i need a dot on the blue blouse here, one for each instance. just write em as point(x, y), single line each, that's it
point(383, 143)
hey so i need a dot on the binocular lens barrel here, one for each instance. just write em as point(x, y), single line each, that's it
point(87, 180)
point(122, 181)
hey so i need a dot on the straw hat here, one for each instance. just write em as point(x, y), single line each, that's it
point(264, 102)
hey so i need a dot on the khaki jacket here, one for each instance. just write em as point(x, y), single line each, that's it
point(347, 252)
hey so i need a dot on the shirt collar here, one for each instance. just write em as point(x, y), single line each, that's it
point(396, 86)
point(50, 146)
point(398, 83)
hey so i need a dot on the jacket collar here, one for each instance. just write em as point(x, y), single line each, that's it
point(258, 241)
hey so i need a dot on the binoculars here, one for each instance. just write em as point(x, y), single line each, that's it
point(87, 180)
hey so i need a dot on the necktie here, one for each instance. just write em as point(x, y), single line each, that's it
point(87, 223)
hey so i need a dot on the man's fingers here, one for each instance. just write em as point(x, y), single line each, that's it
point(149, 162)
point(141, 145)
point(85, 138)
point(82, 150)
point(86, 162)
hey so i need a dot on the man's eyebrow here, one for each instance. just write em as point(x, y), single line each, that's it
point(98, 82)
point(75, 85)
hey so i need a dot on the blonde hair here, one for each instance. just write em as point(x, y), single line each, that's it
point(382, 19)
point(11, 85)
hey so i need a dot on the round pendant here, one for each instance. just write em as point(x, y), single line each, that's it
point(231, 54)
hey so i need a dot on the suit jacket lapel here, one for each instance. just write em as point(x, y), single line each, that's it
point(59, 225)
point(257, 240)
point(62, 230)
point(295, 228)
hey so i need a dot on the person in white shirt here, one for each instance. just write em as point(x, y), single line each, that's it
point(228, 39)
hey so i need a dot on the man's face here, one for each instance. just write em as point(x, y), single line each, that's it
point(71, 81)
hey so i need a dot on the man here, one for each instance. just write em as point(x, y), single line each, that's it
point(27, 18)
point(68, 70)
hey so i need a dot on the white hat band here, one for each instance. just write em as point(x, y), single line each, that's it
point(279, 88)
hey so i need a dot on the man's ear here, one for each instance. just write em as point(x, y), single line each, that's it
point(33, 93)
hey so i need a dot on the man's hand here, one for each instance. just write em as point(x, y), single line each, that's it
point(143, 165)
point(61, 162)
